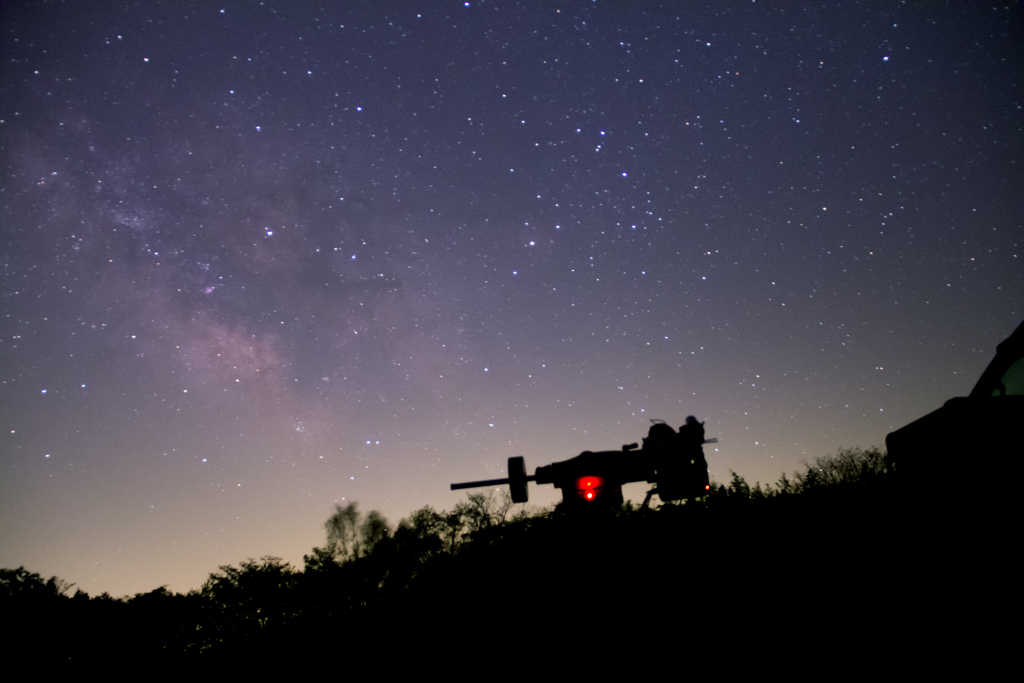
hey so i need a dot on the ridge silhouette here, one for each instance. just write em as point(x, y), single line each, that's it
point(841, 548)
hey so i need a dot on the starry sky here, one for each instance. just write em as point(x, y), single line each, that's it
point(262, 258)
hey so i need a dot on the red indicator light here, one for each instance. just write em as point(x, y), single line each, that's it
point(589, 487)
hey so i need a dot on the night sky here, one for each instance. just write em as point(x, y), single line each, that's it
point(260, 258)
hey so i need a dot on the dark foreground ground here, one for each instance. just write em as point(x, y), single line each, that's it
point(855, 576)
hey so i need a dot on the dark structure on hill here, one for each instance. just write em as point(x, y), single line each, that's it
point(931, 454)
point(672, 460)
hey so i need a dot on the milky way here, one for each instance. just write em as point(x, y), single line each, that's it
point(259, 259)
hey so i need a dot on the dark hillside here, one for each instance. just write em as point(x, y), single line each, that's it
point(838, 550)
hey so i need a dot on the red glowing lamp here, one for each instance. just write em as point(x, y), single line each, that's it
point(589, 487)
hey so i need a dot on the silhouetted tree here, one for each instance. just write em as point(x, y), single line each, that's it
point(848, 466)
point(319, 560)
point(344, 540)
point(349, 536)
point(245, 601)
point(786, 486)
point(20, 581)
point(418, 540)
point(374, 532)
